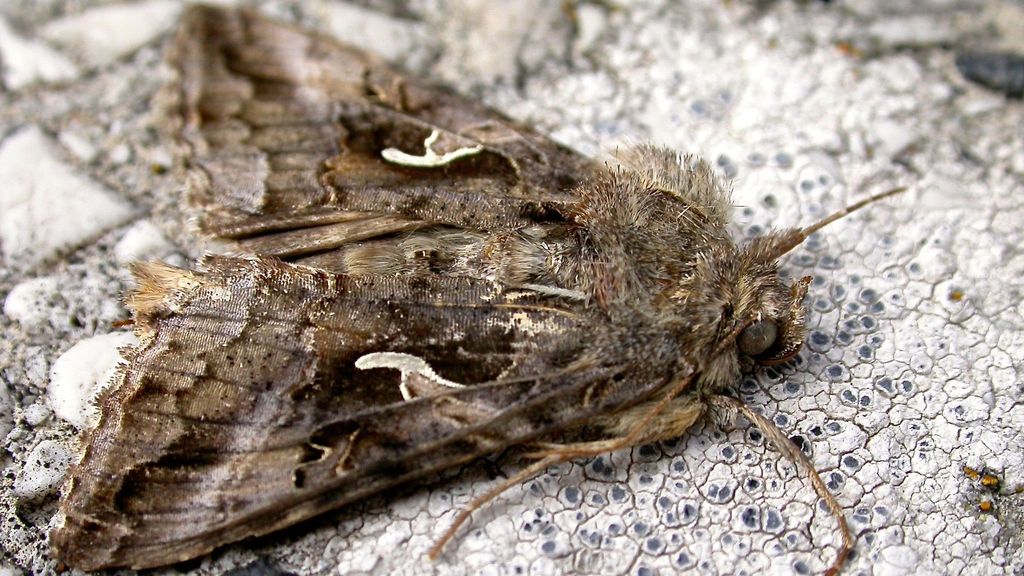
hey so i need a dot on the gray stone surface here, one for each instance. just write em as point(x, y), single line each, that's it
point(911, 373)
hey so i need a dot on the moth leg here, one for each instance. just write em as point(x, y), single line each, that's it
point(647, 421)
point(520, 477)
point(784, 445)
point(665, 418)
point(670, 421)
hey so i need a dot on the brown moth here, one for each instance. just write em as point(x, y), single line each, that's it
point(417, 282)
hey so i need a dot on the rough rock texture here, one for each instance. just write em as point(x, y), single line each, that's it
point(910, 382)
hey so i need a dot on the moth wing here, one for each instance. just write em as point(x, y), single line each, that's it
point(244, 409)
point(300, 144)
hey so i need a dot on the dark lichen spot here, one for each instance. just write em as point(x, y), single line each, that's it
point(750, 517)
point(618, 494)
point(572, 494)
point(805, 260)
point(689, 513)
point(719, 494)
point(1002, 71)
point(654, 545)
point(801, 443)
point(830, 262)
point(648, 451)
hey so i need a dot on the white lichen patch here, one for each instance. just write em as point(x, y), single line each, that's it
point(46, 207)
point(27, 61)
point(101, 35)
point(143, 241)
point(390, 37)
point(81, 373)
point(43, 470)
point(29, 302)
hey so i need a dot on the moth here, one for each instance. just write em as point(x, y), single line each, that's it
point(415, 281)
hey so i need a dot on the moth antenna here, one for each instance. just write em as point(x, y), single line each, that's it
point(796, 237)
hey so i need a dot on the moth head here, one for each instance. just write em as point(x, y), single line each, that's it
point(775, 340)
point(768, 323)
point(768, 316)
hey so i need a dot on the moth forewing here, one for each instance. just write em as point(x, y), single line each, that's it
point(418, 282)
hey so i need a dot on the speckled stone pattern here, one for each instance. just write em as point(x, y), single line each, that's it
point(906, 395)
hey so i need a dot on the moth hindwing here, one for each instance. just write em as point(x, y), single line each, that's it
point(415, 281)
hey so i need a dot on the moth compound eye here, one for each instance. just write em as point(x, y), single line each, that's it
point(758, 337)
